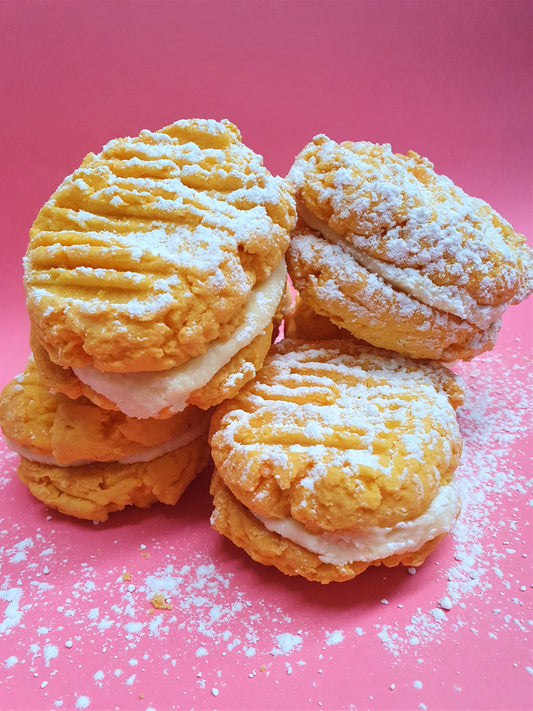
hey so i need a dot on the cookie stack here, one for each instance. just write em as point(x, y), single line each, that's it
point(400, 256)
point(154, 279)
point(156, 282)
point(341, 453)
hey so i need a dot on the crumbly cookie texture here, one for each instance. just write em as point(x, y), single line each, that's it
point(400, 226)
point(301, 322)
point(338, 437)
point(334, 285)
point(236, 373)
point(94, 491)
point(88, 462)
point(234, 521)
point(224, 384)
point(65, 430)
point(148, 252)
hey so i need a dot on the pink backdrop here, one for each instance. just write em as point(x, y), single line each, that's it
point(449, 79)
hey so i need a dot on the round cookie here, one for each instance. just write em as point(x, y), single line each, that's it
point(337, 456)
point(87, 462)
point(399, 255)
point(162, 252)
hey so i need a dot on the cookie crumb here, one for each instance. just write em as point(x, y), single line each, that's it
point(159, 602)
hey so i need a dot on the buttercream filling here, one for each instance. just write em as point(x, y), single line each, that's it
point(148, 454)
point(450, 298)
point(374, 543)
point(146, 394)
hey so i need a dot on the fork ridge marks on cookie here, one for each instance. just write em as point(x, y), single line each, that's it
point(150, 249)
point(339, 422)
point(397, 210)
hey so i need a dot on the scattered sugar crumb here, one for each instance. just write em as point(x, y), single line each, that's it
point(335, 637)
point(287, 643)
point(446, 603)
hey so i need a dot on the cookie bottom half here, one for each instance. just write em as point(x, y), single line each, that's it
point(234, 521)
point(224, 384)
point(93, 491)
point(335, 286)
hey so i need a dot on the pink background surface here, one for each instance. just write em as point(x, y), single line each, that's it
point(451, 80)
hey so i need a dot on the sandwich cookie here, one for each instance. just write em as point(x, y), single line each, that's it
point(87, 462)
point(337, 456)
point(400, 256)
point(155, 271)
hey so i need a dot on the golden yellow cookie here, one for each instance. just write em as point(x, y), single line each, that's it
point(337, 456)
point(353, 298)
point(399, 255)
point(159, 395)
point(304, 323)
point(162, 251)
point(233, 520)
point(86, 461)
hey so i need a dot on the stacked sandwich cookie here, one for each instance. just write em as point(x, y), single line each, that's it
point(156, 287)
point(87, 462)
point(155, 279)
point(341, 453)
point(154, 273)
point(398, 255)
point(337, 456)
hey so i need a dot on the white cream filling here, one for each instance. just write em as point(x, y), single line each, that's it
point(374, 543)
point(450, 299)
point(146, 394)
point(146, 455)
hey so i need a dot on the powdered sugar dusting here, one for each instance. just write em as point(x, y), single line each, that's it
point(166, 232)
point(396, 210)
point(154, 600)
point(354, 398)
point(492, 421)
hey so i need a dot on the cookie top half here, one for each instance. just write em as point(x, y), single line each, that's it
point(339, 436)
point(149, 251)
point(414, 228)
